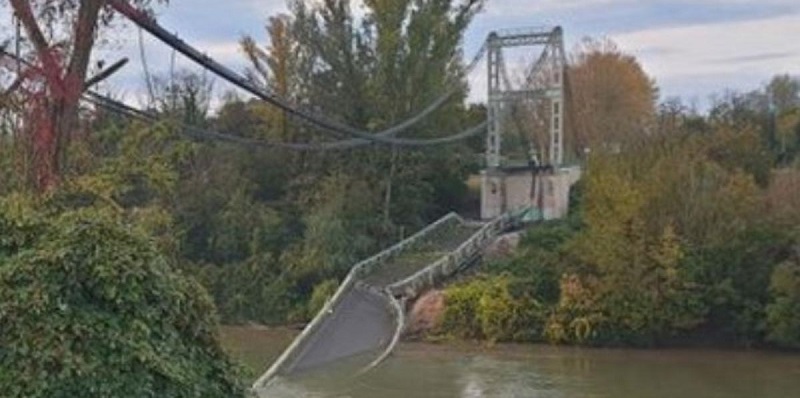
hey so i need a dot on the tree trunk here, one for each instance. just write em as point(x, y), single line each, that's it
point(53, 113)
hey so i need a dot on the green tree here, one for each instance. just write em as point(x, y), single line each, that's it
point(783, 314)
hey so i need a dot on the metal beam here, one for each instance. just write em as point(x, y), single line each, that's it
point(525, 37)
point(522, 95)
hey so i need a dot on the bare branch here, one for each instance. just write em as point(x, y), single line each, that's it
point(24, 12)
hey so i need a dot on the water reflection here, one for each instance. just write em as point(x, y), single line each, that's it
point(419, 370)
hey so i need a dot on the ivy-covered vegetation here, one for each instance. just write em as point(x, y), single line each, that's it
point(85, 297)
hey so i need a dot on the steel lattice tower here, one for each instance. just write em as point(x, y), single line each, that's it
point(545, 82)
point(521, 175)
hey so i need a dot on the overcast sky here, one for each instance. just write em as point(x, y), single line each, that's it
point(693, 48)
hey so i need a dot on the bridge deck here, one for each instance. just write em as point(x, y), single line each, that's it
point(363, 315)
point(359, 323)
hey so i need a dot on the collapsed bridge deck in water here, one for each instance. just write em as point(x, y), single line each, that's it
point(366, 314)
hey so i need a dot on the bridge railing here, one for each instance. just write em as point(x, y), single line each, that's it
point(371, 264)
point(450, 264)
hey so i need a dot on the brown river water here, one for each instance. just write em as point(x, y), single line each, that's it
point(473, 371)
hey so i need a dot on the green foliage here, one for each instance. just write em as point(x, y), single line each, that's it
point(487, 308)
point(460, 317)
point(9, 175)
point(254, 290)
point(90, 308)
point(243, 228)
point(544, 254)
point(263, 229)
point(672, 235)
point(321, 294)
point(676, 241)
point(783, 313)
point(341, 214)
point(20, 225)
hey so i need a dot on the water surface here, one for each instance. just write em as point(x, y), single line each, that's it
point(425, 370)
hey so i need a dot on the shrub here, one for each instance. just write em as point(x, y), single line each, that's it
point(497, 311)
point(488, 308)
point(783, 314)
point(20, 223)
point(90, 308)
point(460, 315)
point(251, 291)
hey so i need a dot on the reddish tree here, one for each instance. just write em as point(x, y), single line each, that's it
point(57, 76)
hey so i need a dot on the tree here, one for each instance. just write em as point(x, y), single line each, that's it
point(612, 96)
point(784, 92)
point(185, 96)
point(783, 314)
point(277, 67)
point(400, 57)
point(62, 35)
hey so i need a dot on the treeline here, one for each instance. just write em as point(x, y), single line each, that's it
point(683, 234)
point(264, 228)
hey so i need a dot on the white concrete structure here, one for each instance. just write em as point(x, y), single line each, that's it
point(508, 189)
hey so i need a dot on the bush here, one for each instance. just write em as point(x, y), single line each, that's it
point(322, 293)
point(251, 291)
point(460, 315)
point(497, 311)
point(19, 225)
point(90, 308)
point(783, 314)
point(487, 308)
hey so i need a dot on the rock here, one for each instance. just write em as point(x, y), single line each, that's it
point(504, 246)
point(426, 313)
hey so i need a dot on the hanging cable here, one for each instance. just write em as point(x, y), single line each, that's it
point(147, 77)
point(203, 134)
point(121, 108)
point(384, 137)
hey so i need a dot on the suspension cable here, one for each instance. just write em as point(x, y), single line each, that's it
point(203, 134)
point(384, 137)
point(197, 132)
point(146, 68)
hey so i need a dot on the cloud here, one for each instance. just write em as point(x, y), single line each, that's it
point(516, 8)
point(692, 47)
point(270, 7)
point(698, 49)
point(726, 53)
point(760, 57)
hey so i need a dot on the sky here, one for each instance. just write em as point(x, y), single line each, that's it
point(693, 48)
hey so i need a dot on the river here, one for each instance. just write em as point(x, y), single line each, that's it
point(465, 370)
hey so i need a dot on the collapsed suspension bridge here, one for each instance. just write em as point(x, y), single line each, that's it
point(367, 313)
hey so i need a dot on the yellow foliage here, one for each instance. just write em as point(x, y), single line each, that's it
point(612, 96)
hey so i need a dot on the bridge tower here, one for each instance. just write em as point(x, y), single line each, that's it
point(521, 175)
